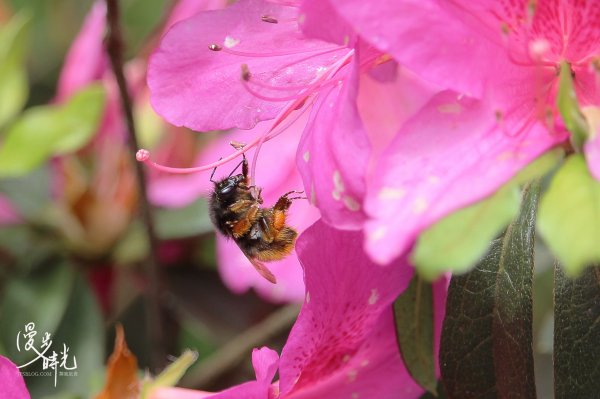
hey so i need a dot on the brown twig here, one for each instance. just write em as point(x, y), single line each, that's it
point(114, 46)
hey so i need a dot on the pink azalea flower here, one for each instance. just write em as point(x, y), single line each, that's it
point(254, 64)
point(343, 344)
point(500, 60)
point(86, 60)
point(8, 212)
point(13, 385)
point(277, 175)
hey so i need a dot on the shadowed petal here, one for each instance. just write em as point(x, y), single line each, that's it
point(333, 154)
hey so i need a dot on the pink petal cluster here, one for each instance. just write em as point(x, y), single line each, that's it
point(343, 344)
point(13, 385)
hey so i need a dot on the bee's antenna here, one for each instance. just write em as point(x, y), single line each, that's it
point(213, 172)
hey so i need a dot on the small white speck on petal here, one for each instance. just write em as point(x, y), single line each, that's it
point(336, 195)
point(346, 358)
point(351, 203)
point(306, 156)
point(338, 182)
point(230, 42)
point(364, 363)
point(352, 374)
point(307, 297)
point(391, 193)
point(374, 296)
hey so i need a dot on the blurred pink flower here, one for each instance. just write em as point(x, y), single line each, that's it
point(13, 385)
point(499, 60)
point(8, 212)
point(277, 174)
point(343, 344)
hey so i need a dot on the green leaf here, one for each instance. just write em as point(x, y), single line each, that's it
point(457, 241)
point(413, 313)
point(41, 298)
point(171, 375)
point(486, 345)
point(576, 334)
point(13, 78)
point(183, 222)
point(566, 101)
point(49, 130)
point(570, 216)
point(82, 330)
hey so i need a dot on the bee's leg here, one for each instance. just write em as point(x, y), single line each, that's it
point(268, 234)
point(245, 169)
point(243, 225)
point(279, 210)
point(213, 173)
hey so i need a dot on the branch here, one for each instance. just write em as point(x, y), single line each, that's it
point(114, 46)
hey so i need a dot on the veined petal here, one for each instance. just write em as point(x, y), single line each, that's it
point(202, 89)
point(333, 153)
point(423, 37)
point(344, 338)
point(451, 154)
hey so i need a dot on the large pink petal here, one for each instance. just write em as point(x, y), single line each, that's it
point(449, 155)
point(13, 385)
point(340, 333)
point(86, 60)
point(334, 152)
point(425, 38)
point(376, 370)
point(195, 87)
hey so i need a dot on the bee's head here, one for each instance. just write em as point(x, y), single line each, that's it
point(226, 187)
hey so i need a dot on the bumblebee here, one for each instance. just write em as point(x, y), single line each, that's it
point(261, 233)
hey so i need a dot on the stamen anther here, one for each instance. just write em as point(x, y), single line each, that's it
point(142, 155)
point(269, 19)
point(214, 47)
point(237, 145)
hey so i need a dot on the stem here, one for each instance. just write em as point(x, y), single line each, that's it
point(114, 46)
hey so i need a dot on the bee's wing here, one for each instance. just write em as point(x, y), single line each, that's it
point(262, 270)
